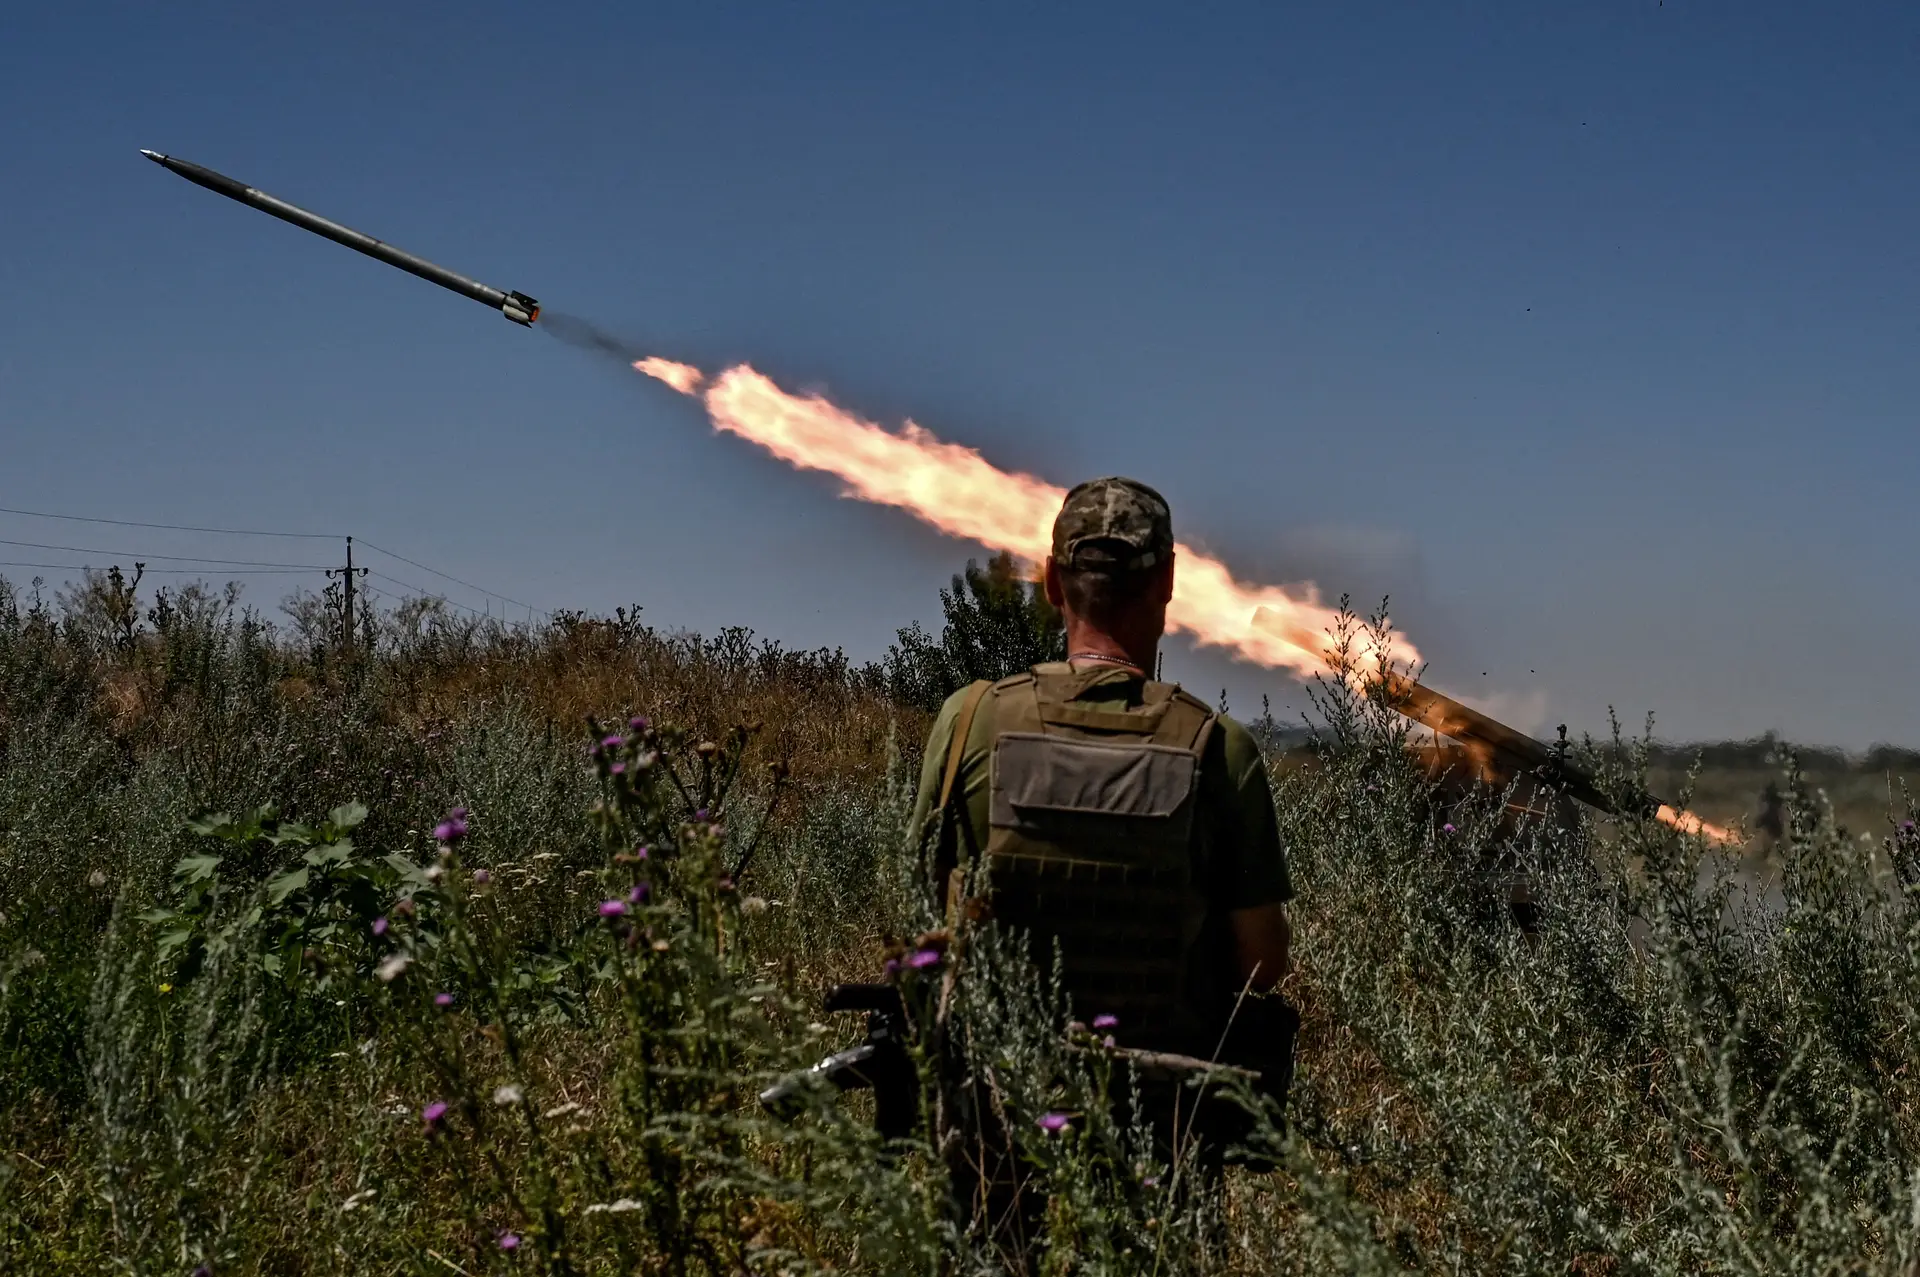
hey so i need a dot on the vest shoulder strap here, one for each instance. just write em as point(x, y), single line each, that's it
point(1189, 721)
point(957, 743)
point(953, 820)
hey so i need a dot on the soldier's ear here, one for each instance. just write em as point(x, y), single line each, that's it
point(1050, 581)
point(1163, 588)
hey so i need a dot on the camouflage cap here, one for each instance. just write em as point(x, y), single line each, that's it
point(1113, 525)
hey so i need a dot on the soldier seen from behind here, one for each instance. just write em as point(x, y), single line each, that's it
point(1124, 825)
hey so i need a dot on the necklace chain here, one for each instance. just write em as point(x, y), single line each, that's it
point(1101, 656)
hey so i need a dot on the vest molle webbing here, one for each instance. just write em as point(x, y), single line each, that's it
point(1095, 840)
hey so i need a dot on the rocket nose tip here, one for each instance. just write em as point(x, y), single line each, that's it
point(155, 156)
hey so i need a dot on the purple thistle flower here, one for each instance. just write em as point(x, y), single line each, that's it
point(1053, 1123)
point(613, 742)
point(453, 828)
point(379, 926)
point(482, 877)
point(612, 908)
point(924, 958)
point(639, 893)
point(701, 815)
point(433, 1113)
point(642, 852)
point(1447, 828)
point(1906, 826)
point(893, 966)
point(443, 1000)
point(638, 722)
point(509, 1241)
point(1106, 1021)
point(616, 768)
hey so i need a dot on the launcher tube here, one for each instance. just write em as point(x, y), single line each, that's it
point(1470, 727)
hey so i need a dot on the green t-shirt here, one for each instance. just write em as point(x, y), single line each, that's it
point(1247, 866)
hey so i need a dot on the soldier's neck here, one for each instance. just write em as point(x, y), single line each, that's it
point(1094, 644)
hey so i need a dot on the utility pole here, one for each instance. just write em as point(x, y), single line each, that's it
point(346, 594)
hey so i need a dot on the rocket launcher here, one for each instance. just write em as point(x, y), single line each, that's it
point(1501, 750)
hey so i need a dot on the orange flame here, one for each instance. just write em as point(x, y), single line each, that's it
point(959, 492)
point(1688, 823)
point(684, 378)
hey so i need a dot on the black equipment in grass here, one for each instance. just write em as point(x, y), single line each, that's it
point(879, 1062)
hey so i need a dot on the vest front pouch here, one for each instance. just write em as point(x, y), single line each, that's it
point(1123, 805)
point(1096, 840)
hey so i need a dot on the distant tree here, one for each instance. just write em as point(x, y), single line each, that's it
point(998, 622)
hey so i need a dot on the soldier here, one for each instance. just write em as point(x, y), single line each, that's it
point(1121, 818)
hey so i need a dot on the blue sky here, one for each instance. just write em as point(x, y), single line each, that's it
point(1585, 331)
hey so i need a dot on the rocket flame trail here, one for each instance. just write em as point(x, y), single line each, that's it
point(1688, 823)
point(684, 378)
point(959, 492)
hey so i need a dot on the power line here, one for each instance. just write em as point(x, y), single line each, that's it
point(303, 536)
point(171, 558)
point(423, 592)
point(171, 527)
point(446, 576)
point(88, 567)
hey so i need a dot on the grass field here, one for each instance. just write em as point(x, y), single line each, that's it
point(338, 1028)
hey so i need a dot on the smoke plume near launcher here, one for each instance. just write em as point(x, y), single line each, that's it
point(955, 489)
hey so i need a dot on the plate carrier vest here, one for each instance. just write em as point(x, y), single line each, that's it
point(1095, 842)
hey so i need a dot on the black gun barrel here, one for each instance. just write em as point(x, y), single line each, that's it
point(518, 307)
